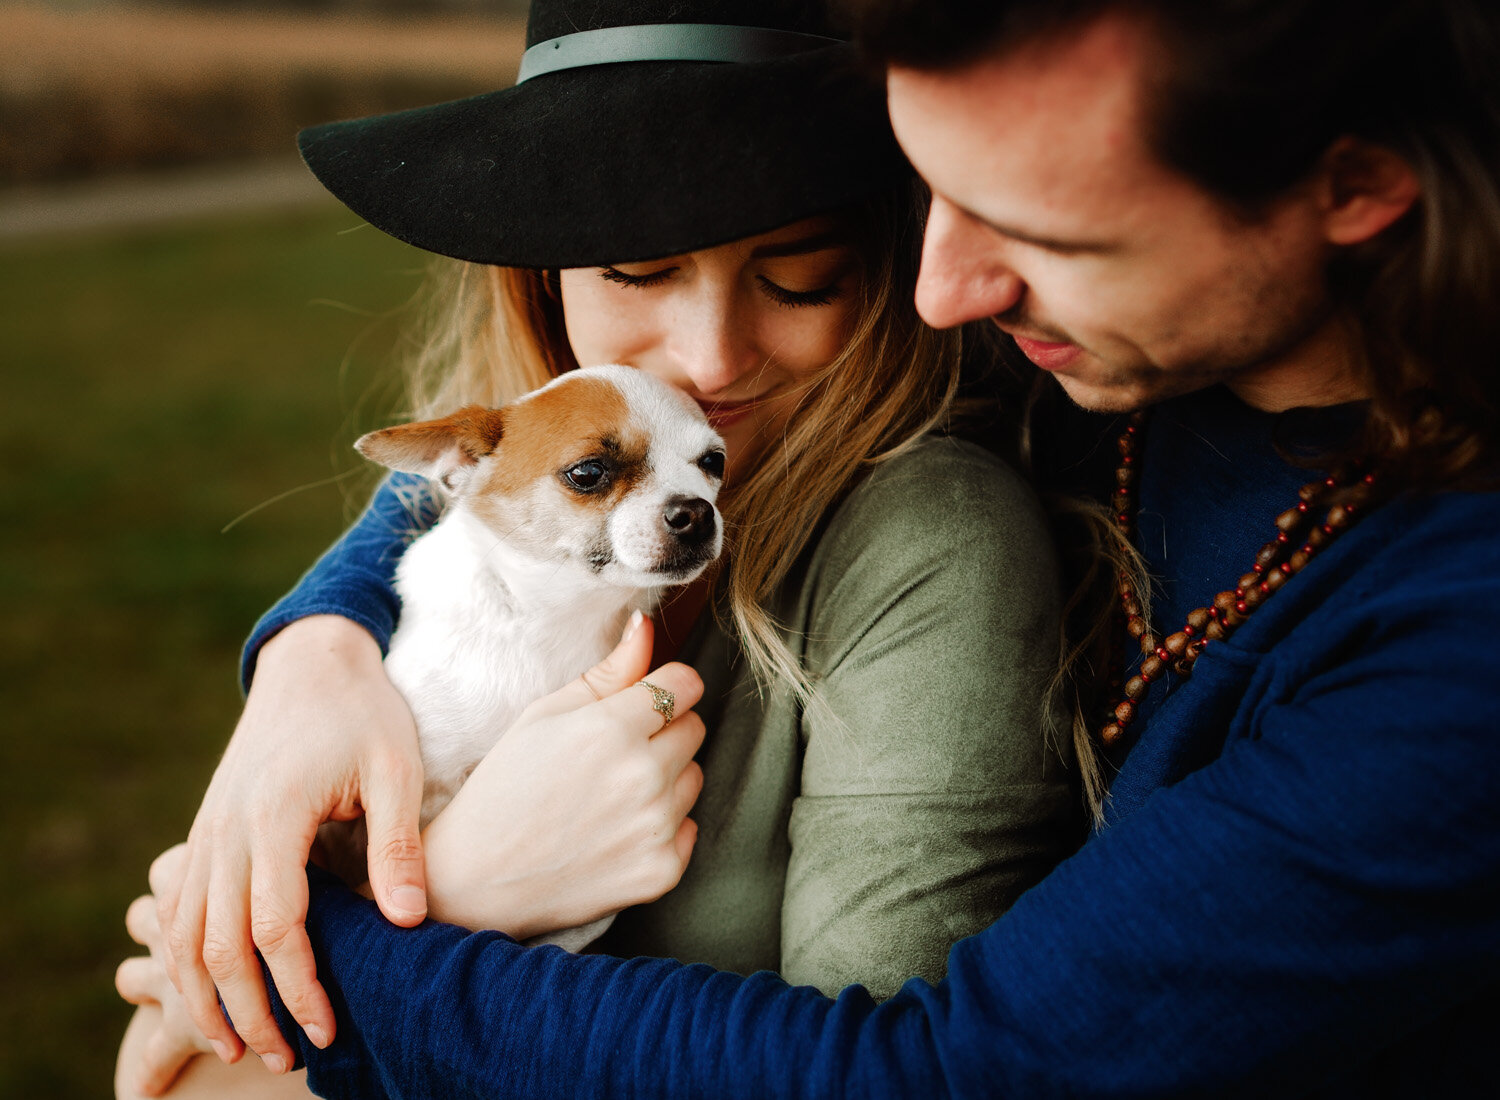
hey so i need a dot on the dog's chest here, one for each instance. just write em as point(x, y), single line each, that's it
point(472, 651)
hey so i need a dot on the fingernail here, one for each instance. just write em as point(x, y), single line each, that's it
point(221, 1048)
point(316, 1035)
point(274, 1062)
point(633, 625)
point(409, 900)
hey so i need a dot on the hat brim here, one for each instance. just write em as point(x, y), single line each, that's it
point(616, 163)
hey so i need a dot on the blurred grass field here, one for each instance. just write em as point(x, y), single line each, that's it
point(158, 385)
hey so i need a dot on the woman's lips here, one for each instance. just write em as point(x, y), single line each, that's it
point(1048, 356)
point(722, 414)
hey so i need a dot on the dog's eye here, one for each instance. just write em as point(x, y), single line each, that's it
point(712, 464)
point(587, 476)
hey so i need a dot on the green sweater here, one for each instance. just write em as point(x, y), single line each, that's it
point(860, 847)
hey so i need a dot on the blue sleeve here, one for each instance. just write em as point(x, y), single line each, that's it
point(355, 576)
point(1326, 890)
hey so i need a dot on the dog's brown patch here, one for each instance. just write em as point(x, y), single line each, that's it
point(473, 430)
point(549, 431)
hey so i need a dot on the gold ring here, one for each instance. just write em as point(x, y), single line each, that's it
point(662, 700)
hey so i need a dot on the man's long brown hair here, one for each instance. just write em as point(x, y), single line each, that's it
point(1249, 96)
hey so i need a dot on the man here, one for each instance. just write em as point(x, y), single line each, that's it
point(1277, 226)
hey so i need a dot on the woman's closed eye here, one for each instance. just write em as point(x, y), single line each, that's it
point(625, 278)
point(781, 295)
point(821, 296)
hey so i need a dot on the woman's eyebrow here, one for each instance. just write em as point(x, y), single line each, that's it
point(801, 246)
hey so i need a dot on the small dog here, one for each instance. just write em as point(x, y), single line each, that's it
point(566, 510)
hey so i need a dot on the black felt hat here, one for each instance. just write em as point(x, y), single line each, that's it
point(637, 129)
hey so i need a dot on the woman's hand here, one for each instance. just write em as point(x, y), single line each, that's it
point(161, 1048)
point(323, 736)
point(176, 1040)
point(581, 808)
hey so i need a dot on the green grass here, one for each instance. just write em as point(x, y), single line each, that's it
point(157, 386)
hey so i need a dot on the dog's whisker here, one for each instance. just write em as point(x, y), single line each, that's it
point(279, 497)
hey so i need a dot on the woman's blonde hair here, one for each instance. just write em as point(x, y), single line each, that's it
point(497, 333)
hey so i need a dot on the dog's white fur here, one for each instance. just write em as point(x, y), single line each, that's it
point(527, 580)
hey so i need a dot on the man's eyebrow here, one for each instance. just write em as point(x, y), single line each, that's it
point(1060, 245)
point(802, 246)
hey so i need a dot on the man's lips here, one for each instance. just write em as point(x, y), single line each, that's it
point(1047, 354)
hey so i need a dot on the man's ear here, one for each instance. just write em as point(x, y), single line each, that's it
point(1365, 187)
point(445, 450)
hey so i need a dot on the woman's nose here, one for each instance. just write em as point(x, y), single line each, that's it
point(715, 346)
point(963, 276)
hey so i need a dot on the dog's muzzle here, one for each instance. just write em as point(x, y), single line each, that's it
point(691, 527)
point(690, 520)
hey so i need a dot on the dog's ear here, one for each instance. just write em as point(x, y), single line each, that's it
point(445, 450)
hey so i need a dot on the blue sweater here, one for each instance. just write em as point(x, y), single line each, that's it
point(1297, 893)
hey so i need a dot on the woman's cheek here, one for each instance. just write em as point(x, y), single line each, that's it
point(813, 343)
point(604, 334)
point(604, 324)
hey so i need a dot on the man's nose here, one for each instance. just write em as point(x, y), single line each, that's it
point(963, 276)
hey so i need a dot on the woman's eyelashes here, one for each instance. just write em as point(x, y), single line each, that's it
point(782, 296)
point(779, 294)
point(624, 278)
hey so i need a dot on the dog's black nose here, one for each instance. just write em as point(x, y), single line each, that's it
point(691, 519)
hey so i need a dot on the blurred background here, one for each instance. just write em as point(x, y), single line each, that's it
point(191, 336)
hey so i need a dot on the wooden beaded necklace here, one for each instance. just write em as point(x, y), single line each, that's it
point(1274, 565)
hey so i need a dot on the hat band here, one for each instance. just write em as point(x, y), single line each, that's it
point(666, 42)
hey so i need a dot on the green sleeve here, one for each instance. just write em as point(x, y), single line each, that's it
point(931, 793)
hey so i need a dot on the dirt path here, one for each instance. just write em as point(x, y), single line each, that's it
point(117, 87)
point(142, 199)
point(105, 46)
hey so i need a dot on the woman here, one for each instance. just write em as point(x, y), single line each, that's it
point(722, 206)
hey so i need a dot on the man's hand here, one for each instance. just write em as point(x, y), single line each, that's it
point(324, 736)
